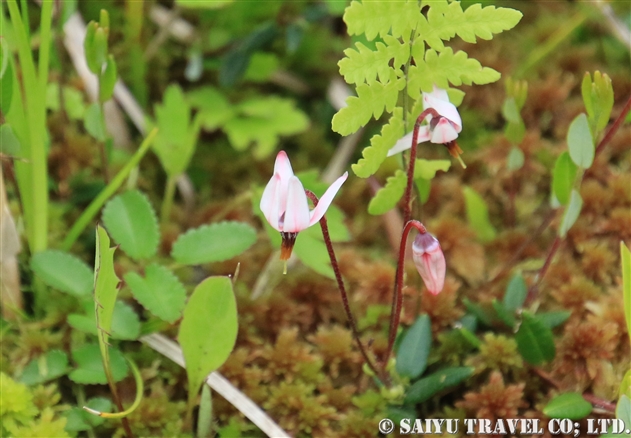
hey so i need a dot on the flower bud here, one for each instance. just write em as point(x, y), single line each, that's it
point(430, 261)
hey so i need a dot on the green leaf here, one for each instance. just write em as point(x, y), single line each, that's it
point(159, 291)
point(49, 366)
point(311, 250)
point(563, 177)
point(423, 389)
point(9, 143)
point(444, 68)
point(204, 4)
point(515, 159)
point(426, 169)
point(213, 243)
point(78, 419)
point(598, 98)
point(478, 215)
point(623, 409)
point(515, 294)
point(377, 152)
point(570, 405)
point(571, 213)
point(553, 319)
point(381, 18)
point(93, 122)
point(125, 322)
point(6, 76)
point(370, 102)
point(365, 65)
point(261, 67)
point(89, 48)
point(106, 285)
point(475, 21)
point(132, 222)
point(388, 196)
point(216, 109)
point(108, 80)
point(90, 369)
point(534, 340)
point(64, 272)
point(503, 313)
point(580, 142)
point(414, 348)
point(208, 330)
point(510, 111)
point(625, 261)
point(481, 314)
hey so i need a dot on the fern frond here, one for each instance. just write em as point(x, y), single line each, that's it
point(456, 68)
point(381, 18)
point(374, 155)
point(371, 101)
point(365, 65)
point(388, 196)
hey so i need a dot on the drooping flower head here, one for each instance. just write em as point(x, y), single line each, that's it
point(429, 261)
point(441, 129)
point(284, 203)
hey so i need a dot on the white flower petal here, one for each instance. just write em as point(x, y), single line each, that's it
point(444, 108)
point(326, 199)
point(444, 132)
point(270, 201)
point(405, 142)
point(297, 208)
point(282, 166)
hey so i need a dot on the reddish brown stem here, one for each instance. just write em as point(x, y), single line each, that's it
point(614, 128)
point(397, 296)
point(532, 291)
point(342, 288)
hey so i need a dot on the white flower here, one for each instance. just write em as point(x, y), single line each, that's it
point(284, 203)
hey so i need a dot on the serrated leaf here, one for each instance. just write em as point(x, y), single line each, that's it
point(515, 294)
point(125, 322)
point(580, 142)
point(365, 65)
point(216, 109)
point(49, 366)
point(63, 271)
point(423, 389)
point(570, 405)
point(132, 222)
point(90, 369)
point(388, 196)
point(208, 330)
point(377, 152)
point(571, 213)
point(553, 319)
point(213, 243)
point(381, 18)
point(563, 177)
point(414, 348)
point(371, 101)
point(426, 169)
point(444, 68)
point(478, 215)
point(79, 419)
point(159, 291)
point(534, 340)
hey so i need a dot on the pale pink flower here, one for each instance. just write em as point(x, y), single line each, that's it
point(430, 261)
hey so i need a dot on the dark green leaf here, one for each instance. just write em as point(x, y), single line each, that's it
point(503, 313)
point(90, 365)
point(553, 319)
point(569, 405)
point(515, 294)
point(63, 271)
point(213, 243)
point(78, 419)
point(50, 366)
point(414, 348)
point(423, 389)
point(131, 221)
point(534, 340)
point(482, 315)
point(159, 291)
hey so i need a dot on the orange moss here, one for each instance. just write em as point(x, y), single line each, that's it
point(495, 399)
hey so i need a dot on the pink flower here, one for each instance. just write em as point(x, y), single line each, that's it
point(284, 203)
point(443, 129)
point(430, 261)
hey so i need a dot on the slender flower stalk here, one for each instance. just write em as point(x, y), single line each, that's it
point(340, 285)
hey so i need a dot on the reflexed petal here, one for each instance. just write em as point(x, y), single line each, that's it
point(444, 132)
point(405, 142)
point(444, 108)
point(270, 201)
point(326, 199)
point(297, 208)
point(282, 166)
point(438, 93)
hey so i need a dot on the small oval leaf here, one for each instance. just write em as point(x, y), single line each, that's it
point(159, 291)
point(63, 271)
point(131, 221)
point(563, 177)
point(534, 340)
point(569, 405)
point(414, 348)
point(213, 243)
point(580, 142)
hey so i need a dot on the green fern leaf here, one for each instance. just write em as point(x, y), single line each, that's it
point(388, 196)
point(380, 145)
point(371, 101)
point(447, 67)
point(381, 18)
point(365, 65)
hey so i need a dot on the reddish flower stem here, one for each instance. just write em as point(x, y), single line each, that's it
point(397, 296)
point(342, 288)
point(614, 128)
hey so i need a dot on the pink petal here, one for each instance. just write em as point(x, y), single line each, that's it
point(282, 166)
point(326, 199)
point(444, 132)
point(429, 261)
point(444, 108)
point(297, 208)
point(270, 201)
point(405, 142)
